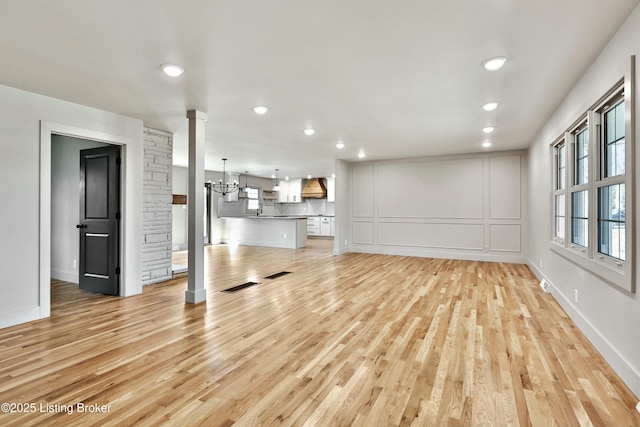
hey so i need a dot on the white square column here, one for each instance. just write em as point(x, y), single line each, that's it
point(196, 292)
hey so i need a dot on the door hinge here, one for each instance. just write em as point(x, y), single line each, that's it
point(117, 215)
point(118, 161)
point(117, 270)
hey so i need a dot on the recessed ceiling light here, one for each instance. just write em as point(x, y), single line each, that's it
point(486, 144)
point(172, 70)
point(340, 145)
point(260, 109)
point(488, 129)
point(286, 178)
point(273, 176)
point(495, 63)
point(490, 106)
point(361, 154)
point(309, 131)
point(333, 175)
point(308, 176)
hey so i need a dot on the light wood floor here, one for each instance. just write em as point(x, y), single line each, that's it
point(357, 339)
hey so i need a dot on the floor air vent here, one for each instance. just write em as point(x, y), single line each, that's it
point(545, 285)
point(275, 276)
point(240, 287)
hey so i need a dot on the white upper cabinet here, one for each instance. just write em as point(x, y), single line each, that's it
point(290, 191)
point(283, 193)
point(331, 189)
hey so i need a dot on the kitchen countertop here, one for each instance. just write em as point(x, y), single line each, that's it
point(265, 217)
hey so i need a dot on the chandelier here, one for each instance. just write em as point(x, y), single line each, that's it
point(224, 187)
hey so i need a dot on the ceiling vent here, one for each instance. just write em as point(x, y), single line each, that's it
point(314, 189)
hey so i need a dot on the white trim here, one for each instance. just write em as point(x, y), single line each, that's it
point(127, 285)
point(430, 253)
point(17, 317)
point(65, 276)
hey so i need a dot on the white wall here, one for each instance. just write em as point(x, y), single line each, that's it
point(65, 205)
point(464, 207)
point(342, 231)
point(27, 121)
point(608, 316)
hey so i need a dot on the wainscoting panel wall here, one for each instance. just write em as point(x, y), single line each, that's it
point(363, 232)
point(504, 187)
point(504, 237)
point(362, 200)
point(430, 189)
point(466, 207)
point(449, 236)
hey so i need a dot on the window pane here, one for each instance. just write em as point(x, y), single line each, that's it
point(559, 216)
point(579, 218)
point(620, 120)
point(560, 167)
point(611, 220)
point(614, 154)
point(582, 157)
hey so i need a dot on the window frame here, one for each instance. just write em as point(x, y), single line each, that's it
point(560, 173)
point(605, 181)
point(583, 124)
point(609, 268)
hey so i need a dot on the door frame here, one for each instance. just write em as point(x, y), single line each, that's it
point(128, 284)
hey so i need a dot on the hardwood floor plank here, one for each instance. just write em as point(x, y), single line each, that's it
point(357, 339)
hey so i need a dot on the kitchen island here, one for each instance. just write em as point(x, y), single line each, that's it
point(270, 231)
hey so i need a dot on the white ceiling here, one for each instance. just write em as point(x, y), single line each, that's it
point(393, 78)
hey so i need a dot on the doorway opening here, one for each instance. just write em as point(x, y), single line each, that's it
point(130, 225)
point(85, 211)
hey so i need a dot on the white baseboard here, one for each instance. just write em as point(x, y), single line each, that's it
point(618, 363)
point(515, 258)
point(65, 276)
point(17, 317)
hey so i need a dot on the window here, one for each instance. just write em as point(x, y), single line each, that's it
point(582, 156)
point(580, 218)
point(560, 196)
point(611, 221)
point(611, 186)
point(591, 183)
point(614, 158)
point(579, 209)
point(253, 199)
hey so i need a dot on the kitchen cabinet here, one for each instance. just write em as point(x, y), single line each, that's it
point(320, 226)
point(290, 191)
point(325, 226)
point(331, 189)
point(313, 226)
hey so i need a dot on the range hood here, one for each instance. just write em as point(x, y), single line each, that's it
point(314, 189)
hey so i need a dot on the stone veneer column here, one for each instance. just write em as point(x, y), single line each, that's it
point(157, 204)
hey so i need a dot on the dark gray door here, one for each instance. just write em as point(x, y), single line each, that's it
point(99, 220)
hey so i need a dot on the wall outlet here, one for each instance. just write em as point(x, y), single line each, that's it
point(540, 262)
point(345, 242)
point(285, 235)
point(575, 295)
point(75, 264)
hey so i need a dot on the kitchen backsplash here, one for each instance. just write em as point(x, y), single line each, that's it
point(310, 207)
